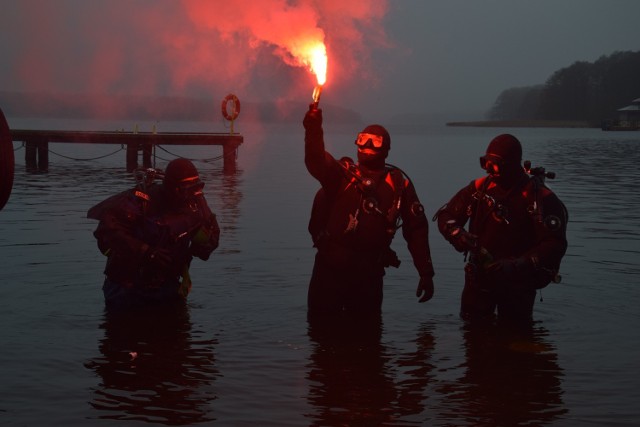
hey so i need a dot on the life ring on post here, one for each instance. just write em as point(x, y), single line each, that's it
point(7, 161)
point(235, 110)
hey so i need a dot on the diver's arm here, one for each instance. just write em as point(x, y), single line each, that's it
point(455, 212)
point(320, 164)
point(115, 233)
point(415, 230)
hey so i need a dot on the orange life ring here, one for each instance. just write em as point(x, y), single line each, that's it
point(236, 107)
point(7, 161)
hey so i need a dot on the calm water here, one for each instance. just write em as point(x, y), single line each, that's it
point(242, 352)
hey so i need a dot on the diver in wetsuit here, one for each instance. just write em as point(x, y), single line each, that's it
point(516, 236)
point(355, 216)
point(150, 235)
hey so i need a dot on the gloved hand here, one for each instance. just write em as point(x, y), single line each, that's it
point(425, 289)
point(462, 240)
point(313, 120)
point(202, 250)
point(457, 242)
point(507, 268)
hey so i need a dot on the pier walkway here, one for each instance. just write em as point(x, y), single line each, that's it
point(37, 144)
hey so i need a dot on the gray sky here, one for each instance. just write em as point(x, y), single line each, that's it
point(385, 58)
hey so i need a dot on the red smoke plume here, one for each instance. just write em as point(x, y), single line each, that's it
point(188, 47)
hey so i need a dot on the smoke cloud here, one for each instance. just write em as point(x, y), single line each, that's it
point(190, 47)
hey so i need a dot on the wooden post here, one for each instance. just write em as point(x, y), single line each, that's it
point(36, 155)
point(229, 155)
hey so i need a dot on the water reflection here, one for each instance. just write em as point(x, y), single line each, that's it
point(153, 368)
point(226, 192)
point(417, 374)
point(511, 378)
point(354, 379)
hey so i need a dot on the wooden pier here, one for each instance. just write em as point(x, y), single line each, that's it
point(37, 144)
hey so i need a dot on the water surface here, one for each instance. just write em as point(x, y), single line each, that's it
point(242, 352)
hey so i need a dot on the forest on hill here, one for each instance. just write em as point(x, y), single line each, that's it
point(584, 91)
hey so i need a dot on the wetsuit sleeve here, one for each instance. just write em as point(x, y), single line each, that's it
point(415, 230)
point(455, 210)
point(320, 164)
point(115, 233)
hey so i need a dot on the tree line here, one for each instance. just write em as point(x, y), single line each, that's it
point(584, 91)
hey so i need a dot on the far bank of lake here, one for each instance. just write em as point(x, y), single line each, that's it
point(525, 124)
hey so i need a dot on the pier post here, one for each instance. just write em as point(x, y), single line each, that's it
point(229, 155)
point(133, 150)
point(36, 155)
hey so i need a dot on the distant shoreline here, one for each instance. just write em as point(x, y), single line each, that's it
point(524, 124)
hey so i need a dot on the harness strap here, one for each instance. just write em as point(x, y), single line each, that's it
point(481, 185)
point(397, 182)
point(393, 176)
point(484, 183)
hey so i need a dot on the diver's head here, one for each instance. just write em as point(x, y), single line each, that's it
point(503, 157)
point(373, 145)
point(181, 181)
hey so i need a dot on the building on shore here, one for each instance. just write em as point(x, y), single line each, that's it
point(628, 118)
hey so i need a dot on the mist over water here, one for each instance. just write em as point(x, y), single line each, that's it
point(242, 352)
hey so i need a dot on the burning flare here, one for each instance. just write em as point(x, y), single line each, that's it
point(317, 62)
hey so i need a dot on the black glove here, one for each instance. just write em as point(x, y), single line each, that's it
point(425, 289)
point(313, 120)
point(462, 240)
point(201, 250)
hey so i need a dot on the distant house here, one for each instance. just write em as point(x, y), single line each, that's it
point(630, 112)
point(628, 118)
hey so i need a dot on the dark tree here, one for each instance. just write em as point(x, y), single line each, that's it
point(516, 103)
point(581, 92)
point(566, 93)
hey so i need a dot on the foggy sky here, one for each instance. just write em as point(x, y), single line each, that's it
point(385, 58)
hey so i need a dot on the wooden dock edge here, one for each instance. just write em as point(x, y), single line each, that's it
point(37, 144)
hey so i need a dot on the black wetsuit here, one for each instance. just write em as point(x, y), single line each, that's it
point(353, 224)
point(132, 225)
point(525, 224)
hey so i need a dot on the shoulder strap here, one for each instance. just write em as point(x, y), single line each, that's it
point(481, 184)
point(397, 181)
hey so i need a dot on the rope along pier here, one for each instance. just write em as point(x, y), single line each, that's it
point(37, 144)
